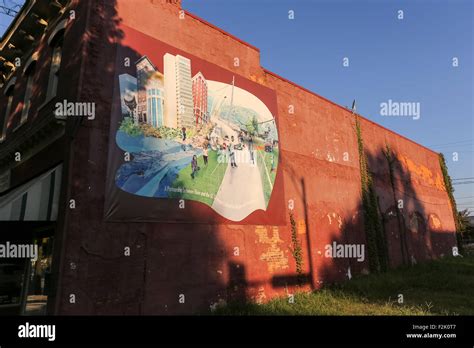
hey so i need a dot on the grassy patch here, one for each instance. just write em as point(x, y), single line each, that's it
point(442, 287)
point(208, 179)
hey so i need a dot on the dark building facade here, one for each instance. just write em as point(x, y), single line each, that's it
point(72, 181)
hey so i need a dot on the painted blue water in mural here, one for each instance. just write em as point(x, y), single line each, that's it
point(155, 164)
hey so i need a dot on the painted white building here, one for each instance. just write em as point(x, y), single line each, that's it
point(150, 84)
point(179, 104)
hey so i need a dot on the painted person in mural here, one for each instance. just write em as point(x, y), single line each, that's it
point(205, 153)
point(232, 152)
point(250, 141)
point(194, 166)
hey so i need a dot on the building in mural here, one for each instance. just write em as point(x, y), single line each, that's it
point(200, 97)
point(193, 163)
point(179, 107)
point(150, 88)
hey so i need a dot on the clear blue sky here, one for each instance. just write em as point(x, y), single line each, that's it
point(407, 60)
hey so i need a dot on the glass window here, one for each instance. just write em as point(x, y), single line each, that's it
point(11, 284)
point(25, 285)
point(39, 278)
point(54, 72)
point(28, 94)
point(6, 115)
point(153, 108)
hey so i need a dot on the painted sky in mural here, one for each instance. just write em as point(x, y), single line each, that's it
point(196, 139)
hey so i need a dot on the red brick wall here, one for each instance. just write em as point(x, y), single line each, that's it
point(199, 260)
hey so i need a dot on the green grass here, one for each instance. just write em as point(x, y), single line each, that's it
point(443, 287)
point(208, 179)
point(267, 161)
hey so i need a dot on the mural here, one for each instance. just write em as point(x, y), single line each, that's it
point(194, 138)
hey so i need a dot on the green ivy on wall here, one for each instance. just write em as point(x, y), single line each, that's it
point(376, 241)
point(449, 189)
point(296, 249)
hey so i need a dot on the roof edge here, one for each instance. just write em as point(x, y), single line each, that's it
point(345, 109)
point(221, 30)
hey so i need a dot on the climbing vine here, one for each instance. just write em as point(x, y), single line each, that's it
point(296, 249)
point(450, 190)
point(376, 242)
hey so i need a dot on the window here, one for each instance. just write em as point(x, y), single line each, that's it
point(29, 73)
point(55, 41)
point(6, 115)
point(153, 110)
point(12, 274)
point(54, 72)
point(38, 284)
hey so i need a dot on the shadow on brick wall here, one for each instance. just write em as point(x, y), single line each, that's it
point(125, 268)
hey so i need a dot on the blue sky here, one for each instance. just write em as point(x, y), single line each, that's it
point(408, 60)
point(4, 19)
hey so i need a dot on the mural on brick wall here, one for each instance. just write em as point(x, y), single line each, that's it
point(195, 134)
